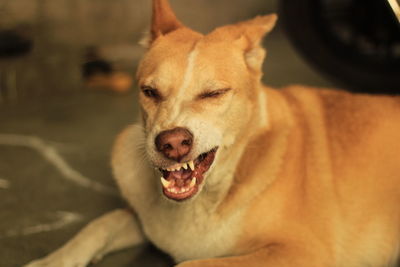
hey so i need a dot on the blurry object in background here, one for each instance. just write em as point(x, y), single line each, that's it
point(14, 43)
point(355, 42)
point(99, 73)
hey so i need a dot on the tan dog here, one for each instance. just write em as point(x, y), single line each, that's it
point(250, 176)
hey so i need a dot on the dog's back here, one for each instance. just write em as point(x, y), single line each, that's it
point(337, 186)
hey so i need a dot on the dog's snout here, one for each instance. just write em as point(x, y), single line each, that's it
point(175, 143)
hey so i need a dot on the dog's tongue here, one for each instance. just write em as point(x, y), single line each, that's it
point(179, 178)
point(181, 174)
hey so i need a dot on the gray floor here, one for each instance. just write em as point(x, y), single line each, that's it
point(40, 208)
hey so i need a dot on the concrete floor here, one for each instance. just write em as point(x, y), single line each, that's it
point(41, 207)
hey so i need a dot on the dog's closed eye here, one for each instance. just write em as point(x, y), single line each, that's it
point(214, 93)
point(151, 92)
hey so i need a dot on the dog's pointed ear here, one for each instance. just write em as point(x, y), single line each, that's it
point(249, 35)
point(255, 29)
point(163, 22)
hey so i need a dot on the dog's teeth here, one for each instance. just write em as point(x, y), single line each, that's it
point(191, 165)
point(185, 166)
point(165, 183)
point(192, 182)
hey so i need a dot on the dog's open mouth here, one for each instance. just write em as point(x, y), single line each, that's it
point(182, 180)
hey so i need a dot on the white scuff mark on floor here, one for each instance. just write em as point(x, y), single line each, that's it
point(4, 184)
point(52, 155)
point(62, 219)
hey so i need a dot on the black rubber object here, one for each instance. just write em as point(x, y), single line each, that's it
point(359, 62)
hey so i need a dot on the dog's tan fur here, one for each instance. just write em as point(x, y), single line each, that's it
point(302, 177)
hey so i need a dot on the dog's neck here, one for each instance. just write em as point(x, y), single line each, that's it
point(272, 120)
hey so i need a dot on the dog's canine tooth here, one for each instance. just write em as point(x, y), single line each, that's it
point(165, 183)
point(192, 182)
point(185, 166)
point(191, 165)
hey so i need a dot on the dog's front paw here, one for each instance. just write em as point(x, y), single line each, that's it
point(51, 261)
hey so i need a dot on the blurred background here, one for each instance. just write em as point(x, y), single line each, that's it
point(67, 88)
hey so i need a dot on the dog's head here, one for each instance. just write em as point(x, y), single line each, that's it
point(198, 94)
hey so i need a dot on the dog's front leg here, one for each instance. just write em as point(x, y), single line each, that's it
point(115, 230)
point(266, 257)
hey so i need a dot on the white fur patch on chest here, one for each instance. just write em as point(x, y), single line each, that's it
point(190, 231)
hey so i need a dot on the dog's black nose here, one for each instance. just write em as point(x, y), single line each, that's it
point(175, 143)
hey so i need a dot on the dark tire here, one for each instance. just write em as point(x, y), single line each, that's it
point(320, 37)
